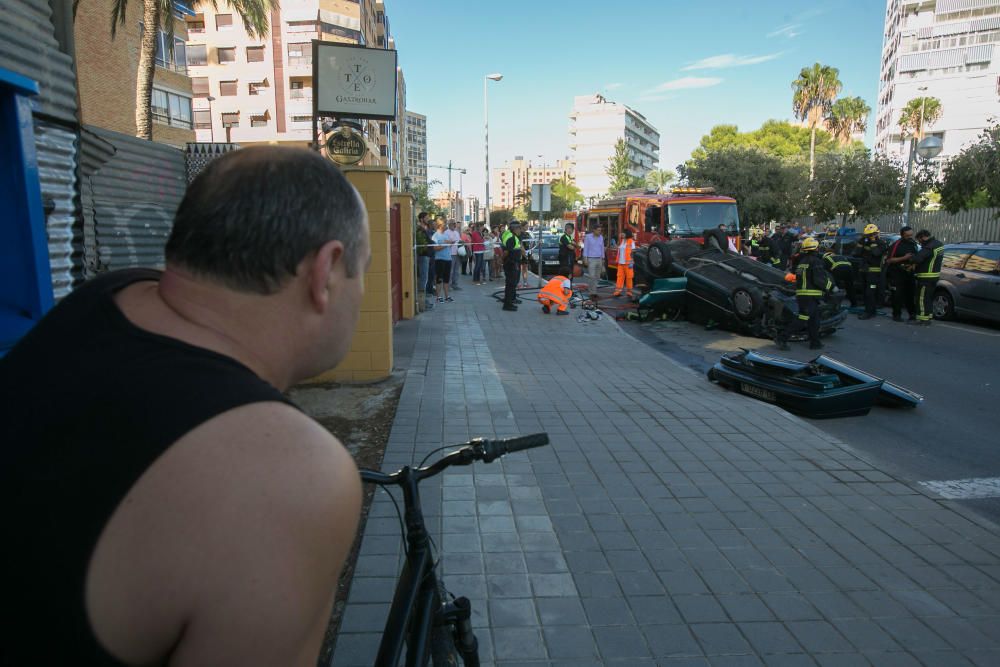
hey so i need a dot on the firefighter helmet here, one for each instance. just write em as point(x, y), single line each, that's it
point(871, 228)
point(809, 243)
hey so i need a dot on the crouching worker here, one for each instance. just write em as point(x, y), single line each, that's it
point(556, 293)
point(811, 282)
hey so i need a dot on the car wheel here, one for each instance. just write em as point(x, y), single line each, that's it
point(943, 305)
point(747, 303)
point(659, 260)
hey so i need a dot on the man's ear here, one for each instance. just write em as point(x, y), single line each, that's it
point(327, 266)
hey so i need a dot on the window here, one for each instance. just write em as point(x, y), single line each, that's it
point(302, 119)
point(231, 119)
point(195, 26)
point(298, 90)
point(983, 261)
point(199, 86)
point(693, 219)
point(170, 108)
point(227, 88)
point(223, 21)
point(165, 57)
point(202, 120)
point(254, 87)
point(300, 26)
point(259, 120)
point(197, 54)
point(954, 259)
point(255, 54)
point(300, 54)
point(227, 55)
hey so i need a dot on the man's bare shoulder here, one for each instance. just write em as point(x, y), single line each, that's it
point(240, 531)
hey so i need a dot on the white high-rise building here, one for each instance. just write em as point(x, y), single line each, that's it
point(416, 148)
point(595, 126)
point(948, 49)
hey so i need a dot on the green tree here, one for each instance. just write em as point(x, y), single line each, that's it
point(919, 114)
point(421, 194)
point(971, 179)
point(565, 197)
point(854, 184)
point(619, 166)
point(814, 92)
point(500, 217)
point(848, 115)
point(159, 14)
point(775, 137)
point(659, 179)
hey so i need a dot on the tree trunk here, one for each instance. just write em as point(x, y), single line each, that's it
point(812, 153)
point(147, 66)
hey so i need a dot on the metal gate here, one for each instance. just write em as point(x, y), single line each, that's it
point(396, 262)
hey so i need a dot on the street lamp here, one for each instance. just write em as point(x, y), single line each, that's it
point(211, 119)
point(496, 76)
point(909, 166)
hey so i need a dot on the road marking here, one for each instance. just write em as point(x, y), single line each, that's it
point(968, 330)
point(965, 489)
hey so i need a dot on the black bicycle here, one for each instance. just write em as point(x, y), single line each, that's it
point(425, 620)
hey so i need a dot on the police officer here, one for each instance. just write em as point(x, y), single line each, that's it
point(899, 273)
point(871, 250)
point(927, 270)
point(567, 252)
point(811, 282)
point(842, 272)
point(510, 240)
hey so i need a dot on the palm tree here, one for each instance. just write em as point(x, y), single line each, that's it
point(659, 179)
point(159, 14)
point(919, 113)
point(814, 92)
point(848, 116)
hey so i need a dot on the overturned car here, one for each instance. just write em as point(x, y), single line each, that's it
point(721, 287)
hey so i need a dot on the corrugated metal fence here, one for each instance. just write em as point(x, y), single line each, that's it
point(129, 189)
point(980, 224)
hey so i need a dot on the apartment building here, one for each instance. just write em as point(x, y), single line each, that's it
point(260, 90)
point(107, 72)
point(514, 178)
point(473, 210)
point(416, 149)
point(948, 49)
point(596, 125)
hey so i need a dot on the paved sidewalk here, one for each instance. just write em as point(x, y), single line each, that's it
point(670, 522)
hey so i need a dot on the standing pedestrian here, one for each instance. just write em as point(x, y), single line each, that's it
point(927, 270)
point(626, 269)
point(899, 272)
point(498, 250)
point(425, 257)
point(442, 263)
point(811, 282)
point(567, 251)
point(511, 241)
point(430, 287)
point(478, 250)
point(593, 256)
point(454, 240)
point(871, 250)
point(525, 237)
point(467, 257)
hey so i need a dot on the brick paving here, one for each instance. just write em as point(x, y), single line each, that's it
point(669, 522)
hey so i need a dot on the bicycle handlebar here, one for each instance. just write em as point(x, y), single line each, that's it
point(478, 449)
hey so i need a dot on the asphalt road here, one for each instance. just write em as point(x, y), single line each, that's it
point(953, 435)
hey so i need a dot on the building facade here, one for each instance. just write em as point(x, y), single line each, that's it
point(416, 149)
point(260, 90)
point(948, 49)
point(473, 211)
point(514, 178)
point(596, 124)
point(107, 72)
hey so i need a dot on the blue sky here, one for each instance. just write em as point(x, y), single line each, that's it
point(686, 66)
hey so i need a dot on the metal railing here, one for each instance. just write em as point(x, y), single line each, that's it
point(978, 224)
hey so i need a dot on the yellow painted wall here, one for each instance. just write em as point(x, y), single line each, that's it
point(406, 224)
point(370, 357)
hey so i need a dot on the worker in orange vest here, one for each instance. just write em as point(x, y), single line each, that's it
point(626, 269)
point(556, 293)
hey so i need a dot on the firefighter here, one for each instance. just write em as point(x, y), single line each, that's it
point(811, 282)
point(510, 241)
point(899, 273)
point(927, 270)
point(556, 293)
point(842, 273)
point(871, 250)
point(626, 268)
point(567, 251)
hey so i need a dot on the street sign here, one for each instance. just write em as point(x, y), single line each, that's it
point(354, 81)
point(346, 145)
point(541, 197)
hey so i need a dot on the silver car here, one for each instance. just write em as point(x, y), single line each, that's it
point(970, 282)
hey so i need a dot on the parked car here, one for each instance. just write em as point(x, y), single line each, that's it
point(731, 290)
point(550, 254)
point(970, 282)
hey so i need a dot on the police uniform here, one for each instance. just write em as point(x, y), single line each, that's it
point(871, 250)
point(511, 268)
point(811, 282)
point(567, 256)
point(927, 270)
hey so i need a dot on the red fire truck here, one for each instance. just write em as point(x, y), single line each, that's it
point(683, 213)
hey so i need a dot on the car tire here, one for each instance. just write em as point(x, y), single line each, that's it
point(658, 259)
point(943, 306)
point(747, 303)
